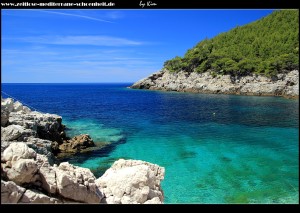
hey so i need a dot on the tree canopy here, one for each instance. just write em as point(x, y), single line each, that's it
point(268, 46)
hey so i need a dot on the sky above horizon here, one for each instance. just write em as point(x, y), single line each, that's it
point(81, 46)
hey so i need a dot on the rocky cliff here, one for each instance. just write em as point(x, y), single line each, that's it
point(28, 174)
point(286, 85)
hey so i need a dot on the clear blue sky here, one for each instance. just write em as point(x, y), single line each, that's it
point(61, 46)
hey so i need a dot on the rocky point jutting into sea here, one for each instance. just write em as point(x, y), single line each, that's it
point(29, 142)
point(286, 85)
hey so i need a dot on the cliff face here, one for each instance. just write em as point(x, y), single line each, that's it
point(28, 174)
point(286, 85)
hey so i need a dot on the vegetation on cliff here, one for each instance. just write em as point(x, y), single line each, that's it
point(268, 46)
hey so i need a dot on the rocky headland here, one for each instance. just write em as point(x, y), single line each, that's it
point(30, 140)
point(286, 85)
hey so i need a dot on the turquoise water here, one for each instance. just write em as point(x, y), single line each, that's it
point(215, 148)
point(235, 164)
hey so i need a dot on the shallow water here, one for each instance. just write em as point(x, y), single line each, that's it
point(215, 148)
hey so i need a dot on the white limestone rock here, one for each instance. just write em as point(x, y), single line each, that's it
point(7, 104)
point(154, 200)
point(19, 165)
point(11, 106)
point(47, 174)
point(281, 85)
point(4, 145)
point(34, 196)
point(22, 171)
point(43, 125)
point(18, 106)
point(11, 192)
point(18, 150)
point(26, 110)
point(27, 163)
point(132, 181)
point(77, 183)
point(12, 132)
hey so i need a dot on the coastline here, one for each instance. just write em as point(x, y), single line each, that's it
point(29, 174)
point(283, 85)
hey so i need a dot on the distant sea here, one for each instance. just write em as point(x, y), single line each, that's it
point(215, 148)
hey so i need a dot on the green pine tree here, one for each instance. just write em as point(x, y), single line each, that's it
point(268, 46)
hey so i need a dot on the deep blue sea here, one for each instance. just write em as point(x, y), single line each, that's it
point(215, 148)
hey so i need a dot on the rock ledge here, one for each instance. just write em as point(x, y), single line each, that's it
point(286, 85)
point(28, 174)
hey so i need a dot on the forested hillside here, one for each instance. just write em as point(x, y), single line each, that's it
point(268, 46)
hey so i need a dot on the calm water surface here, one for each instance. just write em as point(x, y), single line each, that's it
point(215, 148)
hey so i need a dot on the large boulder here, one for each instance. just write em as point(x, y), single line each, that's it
point(34, 196)
point(47, 126)
point(11, 192)
point(18, 150)
point(19, 165)
point(50, 127)
point(132, 181)
point(11, 106)
point(12, 132)
point(77, 184)
point(22, 171)
point(28, 121)
point(22, 165)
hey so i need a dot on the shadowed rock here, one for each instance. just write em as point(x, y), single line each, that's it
point(11, 192)
point(76, 144)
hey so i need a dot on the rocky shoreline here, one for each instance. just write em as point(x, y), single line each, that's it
point(29, 142)
point(286, 85)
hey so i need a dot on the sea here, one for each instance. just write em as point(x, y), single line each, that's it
point(216, 149)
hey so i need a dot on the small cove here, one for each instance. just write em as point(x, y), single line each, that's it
point(215, 148)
